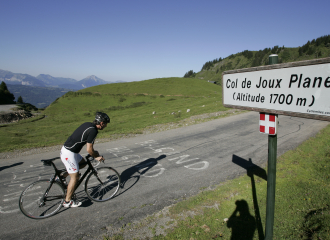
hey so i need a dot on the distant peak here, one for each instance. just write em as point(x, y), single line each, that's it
point(93, 77)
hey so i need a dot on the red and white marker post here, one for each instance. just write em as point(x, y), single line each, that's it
point(268, 123)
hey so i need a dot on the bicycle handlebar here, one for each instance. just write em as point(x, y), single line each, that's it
point(89, 158)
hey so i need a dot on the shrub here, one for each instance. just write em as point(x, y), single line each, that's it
point(137, 104)
point(178, 115)
point(122, 99)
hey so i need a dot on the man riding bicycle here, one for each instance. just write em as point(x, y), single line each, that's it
point(71, 158)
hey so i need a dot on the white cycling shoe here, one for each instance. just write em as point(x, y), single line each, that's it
point(71, 203)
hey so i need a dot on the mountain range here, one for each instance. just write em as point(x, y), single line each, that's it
point(42, 90)
point(45, 80)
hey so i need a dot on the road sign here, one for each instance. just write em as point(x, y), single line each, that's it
point(300, 89)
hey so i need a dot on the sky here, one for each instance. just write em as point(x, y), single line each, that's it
point(133, 40)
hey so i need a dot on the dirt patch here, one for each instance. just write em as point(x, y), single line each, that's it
point(4, 108)
point(11, 117)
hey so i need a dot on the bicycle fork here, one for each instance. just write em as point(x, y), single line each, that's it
point(97, 177)
point(44, 198)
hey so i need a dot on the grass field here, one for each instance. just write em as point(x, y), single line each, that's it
point(129, 105)
point(236, 209)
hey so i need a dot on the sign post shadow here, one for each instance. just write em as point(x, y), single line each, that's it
point(253, 170)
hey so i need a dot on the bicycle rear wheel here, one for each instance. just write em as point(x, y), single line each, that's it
point(103, 185)
point(41, 199)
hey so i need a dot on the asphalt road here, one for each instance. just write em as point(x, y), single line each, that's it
point(157, 169)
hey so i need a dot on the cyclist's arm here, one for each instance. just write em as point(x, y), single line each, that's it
point(93, 153)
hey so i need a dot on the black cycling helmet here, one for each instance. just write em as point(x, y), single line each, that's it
point(102, 117)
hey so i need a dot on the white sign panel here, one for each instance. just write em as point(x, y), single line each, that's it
point(297, 89)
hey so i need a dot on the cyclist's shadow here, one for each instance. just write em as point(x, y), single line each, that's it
point(134, 172)
point(242, 223)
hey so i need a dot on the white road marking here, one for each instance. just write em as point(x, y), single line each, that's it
point(191, 166)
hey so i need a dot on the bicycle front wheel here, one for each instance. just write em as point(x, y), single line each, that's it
point(103, 184)
point(41, 199)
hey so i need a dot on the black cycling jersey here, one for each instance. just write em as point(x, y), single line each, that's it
point(86, 133)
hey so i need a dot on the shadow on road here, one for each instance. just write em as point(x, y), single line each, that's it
point(131, 176)
point(13, 165)
point(253, 170)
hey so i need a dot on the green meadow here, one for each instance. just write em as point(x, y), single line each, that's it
point(131, 106)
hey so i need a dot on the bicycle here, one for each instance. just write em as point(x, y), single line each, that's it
point(44, 198)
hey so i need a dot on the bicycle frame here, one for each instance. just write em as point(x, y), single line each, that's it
point(89, 169)
point(58, 172)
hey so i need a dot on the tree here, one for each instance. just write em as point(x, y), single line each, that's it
point(20, 100)
point(248, 54)
point(190, 73)
point(3, 86)
point(274, 49)
point(6, 97)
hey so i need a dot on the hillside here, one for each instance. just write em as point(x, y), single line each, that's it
point(165, 86)
point(212, 70)
point(132, 108)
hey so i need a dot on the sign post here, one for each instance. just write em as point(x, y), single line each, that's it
point(299, 89)
point(271, 175)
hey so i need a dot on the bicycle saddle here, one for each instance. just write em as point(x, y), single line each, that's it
point(47, 162)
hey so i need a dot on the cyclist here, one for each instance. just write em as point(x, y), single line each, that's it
point(73, 161)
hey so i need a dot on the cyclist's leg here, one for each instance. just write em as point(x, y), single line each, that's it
point(74, 177)
point(71, 161)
